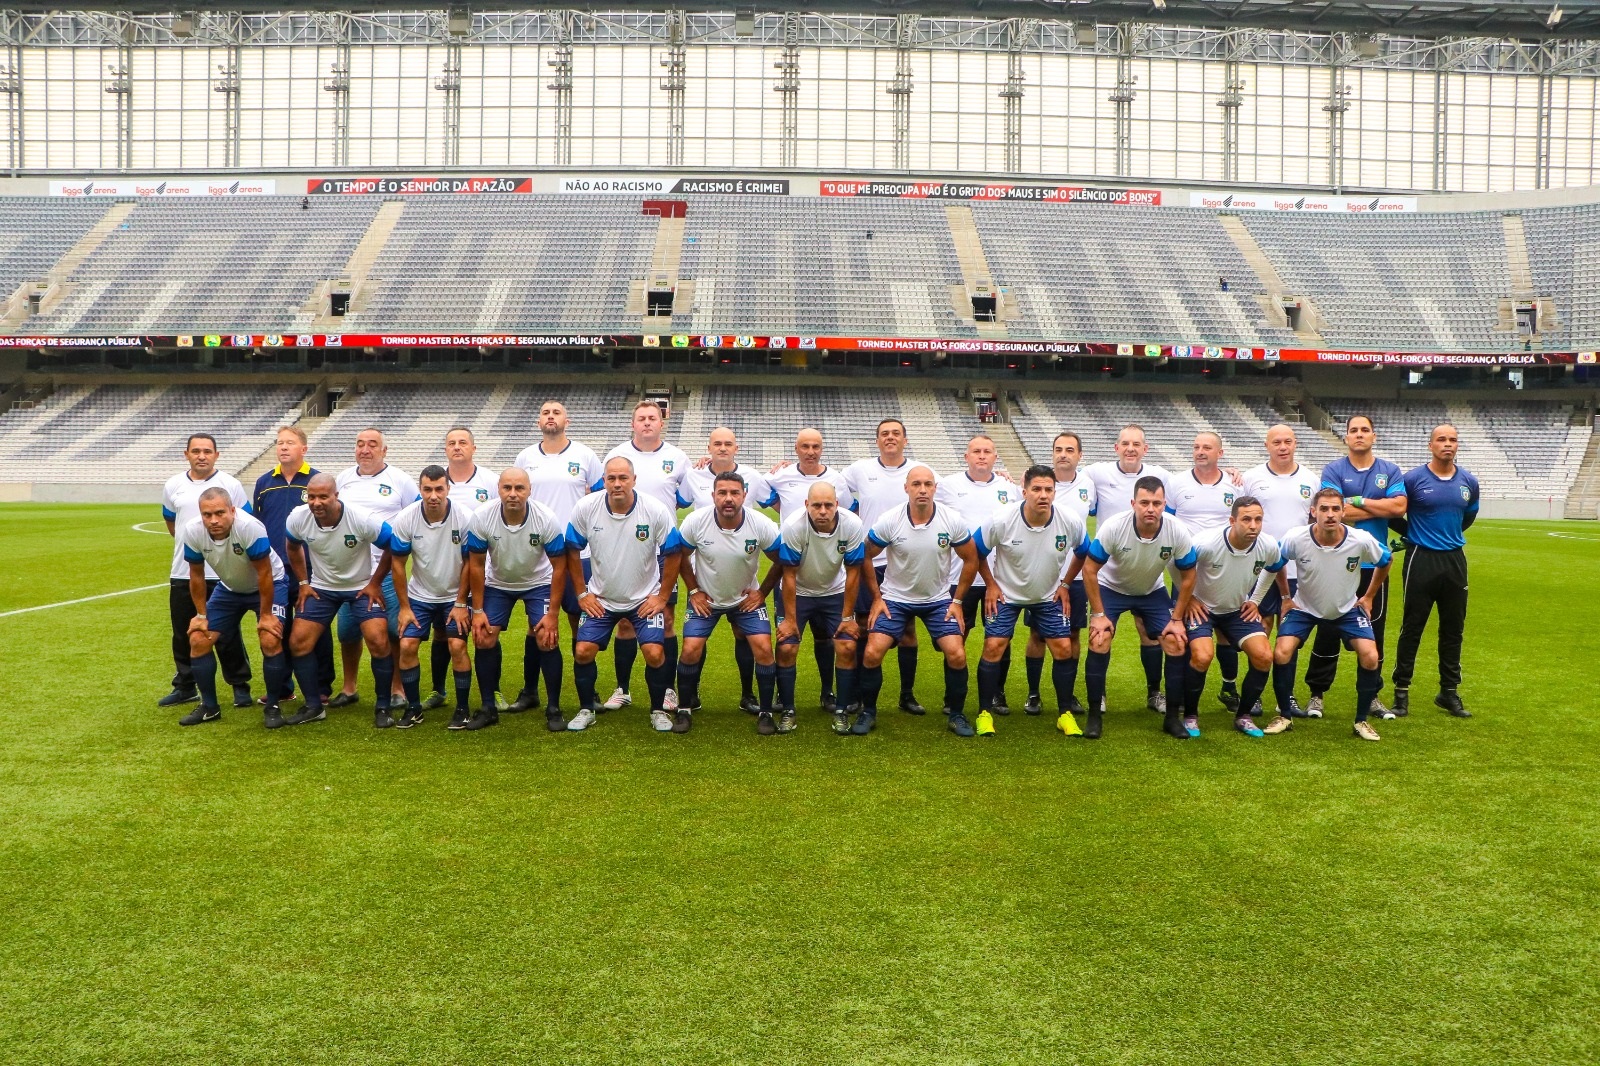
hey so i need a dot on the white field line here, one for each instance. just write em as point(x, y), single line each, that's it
point(83, 599)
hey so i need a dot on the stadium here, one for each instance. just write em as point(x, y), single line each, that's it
point(1197, 239)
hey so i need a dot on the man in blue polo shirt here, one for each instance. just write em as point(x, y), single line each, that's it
point(278, 492)
point(1373, 494)
point(1442, 504)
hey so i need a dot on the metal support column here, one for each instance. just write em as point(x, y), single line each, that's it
point(1123, 95)
point(1338, 103)
point(1543, 119)
point(899, 90)
point(788, 88)
point(119, 85)
point(1231, 101)
point(676, 62)
point(1019, 31)
point(227, 87)
point(11, 87)
point(338, 84)
point(561, 85)
point(1441, 130)
point(449, 83)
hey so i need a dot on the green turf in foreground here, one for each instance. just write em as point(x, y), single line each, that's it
point(335, 895)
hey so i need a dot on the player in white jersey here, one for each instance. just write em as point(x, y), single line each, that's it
point(1124, 572)
point(916, 540)
point(793, 481)
point(977, 492)
point(249, 577)
point(1284, 488)
point(516, 553)
point(1075, 492)
point(180, 505)
point(658, 471)
point(727, 540)
point(374, 486)
point(1202, 497)
point(1329, 556)
point(1026, 548)
point(432, 534)
point(1231, 560)
point(1114, 481)
point(561, 471)
point(822, 552)
point(339, 539)
point(634, 566)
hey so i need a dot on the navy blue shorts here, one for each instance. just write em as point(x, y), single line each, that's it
point(1154, 609)
point(431, 617)
point(901, 616)
point(744, 623)
point(1045, 619)
point(569, 595)
point(1352, 625)
point(499, 603)
point(1232, 628)
point(350, 625)
point(647, 629)
point(325, 606)
point(822, 614)
point(1079, 602)
point(863, 597)
point(225, 608)
point(1272, 603)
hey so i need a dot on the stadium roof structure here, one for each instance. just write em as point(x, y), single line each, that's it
point(1507, 19)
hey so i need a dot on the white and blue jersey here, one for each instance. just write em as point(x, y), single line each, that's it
point(792, 487)
point(917, 557)
point(180, 505)
point(1285, 500)
point(1202, 505)
point(977, 500)
point(1114, 486)
point(341, 554)
point(1133, 566)
point(478, 489)
point(436, 550)
point(819, 559)
point(1027, 561)
point(1330, 575)
point(1439, 510)
point(658, 473)
point(696, 488)
point(625, 547)
point(1226, 577)
point(233, 557)
point(518, 554)
point(1381, 481)
point(727, 562)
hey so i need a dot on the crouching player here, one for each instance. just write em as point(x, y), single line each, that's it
point(432, 533)
point(822, 552)
point(250, 577)
point(1029, 552)
point(1328, 555)
point(1229, 568)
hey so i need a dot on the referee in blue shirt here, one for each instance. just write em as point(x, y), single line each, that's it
point(1374, 492)
point(1441, 505)
point(278, 492)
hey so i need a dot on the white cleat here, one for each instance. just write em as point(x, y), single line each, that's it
point(661, 721)
point(669, 702)
point(1381, 711)
point(1314, 707)
point(1365, 731)
point(618, 700)
point(581, 721)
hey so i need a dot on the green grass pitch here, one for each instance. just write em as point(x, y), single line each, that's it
point(332, 894)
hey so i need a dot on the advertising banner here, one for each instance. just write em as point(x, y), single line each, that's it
point(1255, 200)
point(85, 187)
point(958, 190)
point(668, 185)
point(417, 185)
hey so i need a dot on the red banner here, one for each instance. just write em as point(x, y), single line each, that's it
point(406, 185)
point(957, 190)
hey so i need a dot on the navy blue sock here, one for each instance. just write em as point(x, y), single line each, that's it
point(1228, 663)
point(689, 682)
point(1283, 685)
point(488, 665)
point(411, 681)
point(870, 678)
point(747, 666)
point(1063, 673)
point(657, 680)
point(553, 669)
point(989, 681)
point(669, 648)
point(275, 668)
point(1150, 656)
point(532, 657)
point(305, 672)
point(1175, 666)
point(1368, 684)
point(439, 660)
point(1255, 683)
point(383, 680)
point(585, 676)
point(846, 692)
point(1035, 674)
point(463, 680)
point(205, 677)
point(955, 688)
point(907, 658)
point(1094, 678)
point(786, 687)
point(766, 680)
point(1005, 672)
point(627, 651)
point(823, 651)
point(1194, 686)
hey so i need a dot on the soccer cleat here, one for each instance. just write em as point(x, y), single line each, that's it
point(787, 721)
point(959, 725)
point(272, 718)
point(1280, 724)
point(1450, 701)
point(177, 696)
point(1402, 702)
point(344, 699)
point(1247, 725)
point(307, 714)
point(828, 703)
point(201, 714)
point(242, 697)
point(661, 721)
point(748, 705)
point(1191, 724)
point(985, 724)
point(865, 723)
point(1229, 697)
point(1380, 710)
point(412, 717)
point(381, 719)
point(583, 720)
point(1294, 711)
point(1156, 701)
point(682, 721)
point(485, 718)
point(910, 705)
point(669, 701)
point(501, 703)
point(1365, 731)
point(553, 720)
point(526, 699)
point(1092, 725)
point(841, 722)
point(1075, 705)
point(459, 719)
point(1034, 706)
point(434, 701)
point(764, 723)
point(999, 706)
point(1068, 724)
point(616, 701)
point(1314, 707)
point(1172, 726)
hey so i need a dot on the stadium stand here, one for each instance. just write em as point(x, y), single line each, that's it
point(195, 265)
point(1564, 258)
point(33, 239)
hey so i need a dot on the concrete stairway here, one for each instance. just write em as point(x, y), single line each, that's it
point(55, 286)
point(354, 275)
point(1273, 287)
point(1583, 498)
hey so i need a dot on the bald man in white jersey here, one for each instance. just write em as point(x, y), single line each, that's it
point(1202, 498)
point(1284, 488)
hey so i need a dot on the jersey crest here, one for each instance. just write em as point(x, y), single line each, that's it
point(1260, 566)
point(1227, 498)
point(304, 496)
point(1305, 492)
point(1061, 542)
point(1083, 494)
point(944, 540)
point(455, 536)
point(666, 466)
point(641, 532)
point(750, 547)
point(1466, 494)
point(534, 540)
point(385, 490)
point(1352, 562)
point(1166, 552)
point(840, 546)
point(349, 540)
point(1382, 481)
point(1002, 496)
point(482, 495)
point(238, 549)
point(573, 468)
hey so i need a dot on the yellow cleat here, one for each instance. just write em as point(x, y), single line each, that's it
point(985, 724)
point(1069, 725)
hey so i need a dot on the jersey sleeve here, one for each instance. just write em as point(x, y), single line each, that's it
point(983, 537)
point(555, 539)
point(1272, 554)
point(1097, 551)
point(790, 552)
point(1397, 483)
point(1375, 553)
point(240, 498)
point(882, 531)
point(1185, 556)
point(191, 551)
point(477, 534)
point(294, 525)
point(169, 506)
point(258, 548)
point(400, 533)
point(1330, 478)
point(771, 534)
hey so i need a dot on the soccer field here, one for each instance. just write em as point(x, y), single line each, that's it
point(335, 894)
